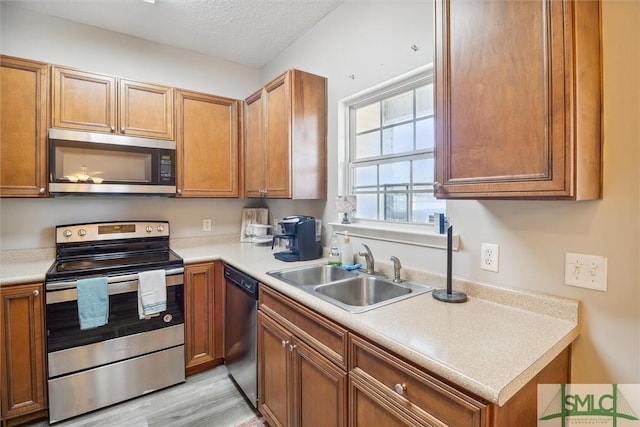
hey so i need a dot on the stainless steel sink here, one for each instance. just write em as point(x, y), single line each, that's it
point(352, 291)
point(314, 275)
point(363, 291)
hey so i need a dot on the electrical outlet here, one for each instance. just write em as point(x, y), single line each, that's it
point(585, 271)
point(489, 256)
point(206, 225)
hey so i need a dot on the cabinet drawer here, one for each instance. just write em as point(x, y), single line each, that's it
point(432, 396)
point(326, 337)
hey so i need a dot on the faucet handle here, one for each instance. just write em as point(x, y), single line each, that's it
point(396, 269)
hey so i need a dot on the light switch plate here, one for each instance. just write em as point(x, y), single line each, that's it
point(585, 271)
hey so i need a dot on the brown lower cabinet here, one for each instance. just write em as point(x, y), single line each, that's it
point(297, 384)
point(313, 372)
point(22, 359)
point(203, 316)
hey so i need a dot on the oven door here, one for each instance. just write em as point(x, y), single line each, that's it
point(63, 325)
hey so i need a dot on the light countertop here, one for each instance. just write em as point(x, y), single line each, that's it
point(491, 345)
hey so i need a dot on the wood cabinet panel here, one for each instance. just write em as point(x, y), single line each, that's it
point(319, 389)
point(22, 359)
point(254, 147)
point(286, 131)
point(101, 103)
point(84, 101)
point(207, 145)
point(24, 86)
point(414, 390)
point(298, 384)
point(203, 316)
point(146, 110)
point(273, 371)
point(518, 110)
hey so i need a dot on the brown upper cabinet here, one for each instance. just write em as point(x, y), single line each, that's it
point(24, 86)
point(285, 138)
point(100, 103)
point(207, 145)
point(518, 99)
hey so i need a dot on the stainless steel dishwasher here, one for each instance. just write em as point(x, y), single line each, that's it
point(240, 330)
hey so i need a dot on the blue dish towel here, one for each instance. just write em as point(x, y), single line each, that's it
point(93, 302)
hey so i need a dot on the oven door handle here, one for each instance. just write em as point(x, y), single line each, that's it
point(111, 279)
point(116, 287)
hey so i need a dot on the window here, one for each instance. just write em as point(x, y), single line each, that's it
point(390, 162)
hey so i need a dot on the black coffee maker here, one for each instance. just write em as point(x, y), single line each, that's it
point(300, 238)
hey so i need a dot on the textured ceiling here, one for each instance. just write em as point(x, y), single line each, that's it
point(249, 32)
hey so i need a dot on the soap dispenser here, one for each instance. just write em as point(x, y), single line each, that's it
point(334, 251)
point(347, 250)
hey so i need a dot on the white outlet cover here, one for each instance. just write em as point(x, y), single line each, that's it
point(585, 271)
point(489, 257)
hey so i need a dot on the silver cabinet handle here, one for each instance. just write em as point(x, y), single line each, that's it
point(179, 191)
point(113, 128)
point(36, 293)
point(42, 190)
point(401, 388)
point(284, 343)
point(122, 129)
point(292, 347)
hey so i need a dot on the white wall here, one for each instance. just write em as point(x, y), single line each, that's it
point(371, 40)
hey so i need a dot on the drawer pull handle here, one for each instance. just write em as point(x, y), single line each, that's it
point(400, 388)
point(292, 347)
point(284, 343)
point(36, 293)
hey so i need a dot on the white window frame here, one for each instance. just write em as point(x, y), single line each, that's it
point(399, 232)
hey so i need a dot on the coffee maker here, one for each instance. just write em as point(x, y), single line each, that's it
point(300, 238)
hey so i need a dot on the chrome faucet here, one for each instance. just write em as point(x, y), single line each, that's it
point(396, 269)
point(368, 256)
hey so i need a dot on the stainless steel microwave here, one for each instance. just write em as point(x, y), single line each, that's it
point(94, 163)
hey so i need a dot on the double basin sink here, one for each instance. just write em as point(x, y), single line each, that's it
point(353, 291)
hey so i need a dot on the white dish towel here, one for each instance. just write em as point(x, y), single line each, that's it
point(152, 293)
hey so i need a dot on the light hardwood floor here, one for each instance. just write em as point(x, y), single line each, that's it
point(208, 399)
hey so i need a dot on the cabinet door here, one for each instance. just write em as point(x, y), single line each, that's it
point(319, 389)
point(84, 101)
point(369, 406)
point(254, 160)
point(274, 372)
point(510, 103)
point(277, 101)
point(203, 316)
point(207, 145)
point(22, 358)
point(23, 135)
point(146, 110)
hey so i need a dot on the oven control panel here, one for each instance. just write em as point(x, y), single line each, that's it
point(99, 231)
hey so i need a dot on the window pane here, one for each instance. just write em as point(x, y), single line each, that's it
point(366, 176)
point(368, 145)
point(424, 204)
point(394, 173)
point(397, 139)
point(367, 206)
point(424, 100)
point(368, 117)
point(398, 109)
point(423, 171)
point(425, 134)
point(396, 207)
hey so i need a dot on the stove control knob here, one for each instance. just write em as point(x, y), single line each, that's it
point(82, 232)
point(67, 233)
point(149, 229)
point(160, 228)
